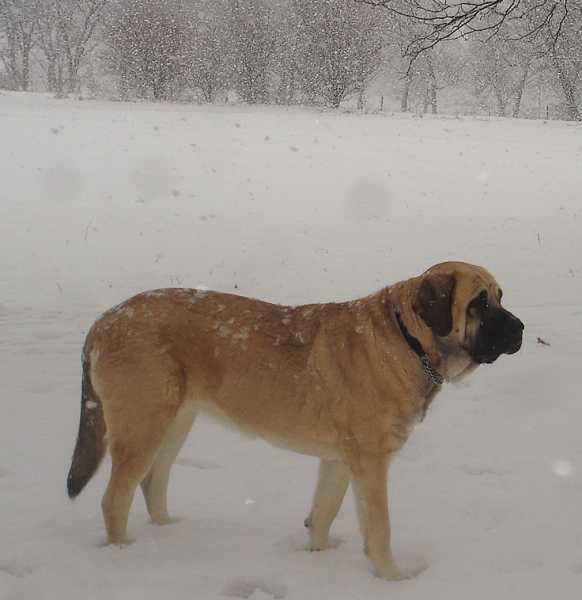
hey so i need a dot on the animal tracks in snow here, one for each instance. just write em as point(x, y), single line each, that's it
point(15, 567)
point(478, 471)
point(255, 590)
point(205, 465)
point(484, 516)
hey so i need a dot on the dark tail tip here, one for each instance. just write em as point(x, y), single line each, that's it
point(90, 447)
point(75, 485)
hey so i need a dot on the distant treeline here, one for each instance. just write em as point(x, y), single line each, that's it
point(286, 52)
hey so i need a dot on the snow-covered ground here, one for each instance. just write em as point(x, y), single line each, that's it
point(100, 201)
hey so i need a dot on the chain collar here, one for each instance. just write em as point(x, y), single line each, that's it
point(416, 346)
point(436, 377)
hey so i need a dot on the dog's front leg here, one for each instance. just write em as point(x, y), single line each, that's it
point(332, 482)
point(369, 479)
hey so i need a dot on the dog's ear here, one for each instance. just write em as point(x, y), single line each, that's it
point(433, 302)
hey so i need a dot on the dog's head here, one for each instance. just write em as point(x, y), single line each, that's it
point(461, 304)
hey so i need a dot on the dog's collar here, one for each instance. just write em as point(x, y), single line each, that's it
point(416, 346)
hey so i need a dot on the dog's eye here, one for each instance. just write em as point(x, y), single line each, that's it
point(480, 302)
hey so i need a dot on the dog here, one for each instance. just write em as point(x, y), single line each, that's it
point(344, 382)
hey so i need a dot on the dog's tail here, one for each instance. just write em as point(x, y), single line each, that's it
point(91, 444)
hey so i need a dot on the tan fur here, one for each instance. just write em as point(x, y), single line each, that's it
point(336, 381)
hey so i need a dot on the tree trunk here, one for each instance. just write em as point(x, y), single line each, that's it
point(432, 85)
point(572, 112)
point(406, 92)
point(519, 91)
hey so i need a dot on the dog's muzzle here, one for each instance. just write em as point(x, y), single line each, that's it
point(501, 333)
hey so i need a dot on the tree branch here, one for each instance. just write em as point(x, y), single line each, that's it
point(440, 20)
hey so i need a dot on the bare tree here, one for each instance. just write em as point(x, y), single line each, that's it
point(50, 42)
point(420, 72)
point(252, 45)
point(551, 28)
point(284, 81)
point(569, 70)
point(59, 32)
point(78, 20)
point(18, 26)
point(150, 48)
point(341, 46)
point(500, 68)
point(210, 52)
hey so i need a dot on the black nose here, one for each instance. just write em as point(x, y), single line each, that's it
point(514, 334)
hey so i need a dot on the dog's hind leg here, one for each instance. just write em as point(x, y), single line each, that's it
point(130, 464)
point(140, 408)
point(332, 482)
point(155, 483)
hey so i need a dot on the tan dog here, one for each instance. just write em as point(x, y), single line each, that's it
point(344, 382)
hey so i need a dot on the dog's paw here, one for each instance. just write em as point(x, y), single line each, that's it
point(399, 576)
point(106, 543)
point(166, 520)
point(393, 573)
